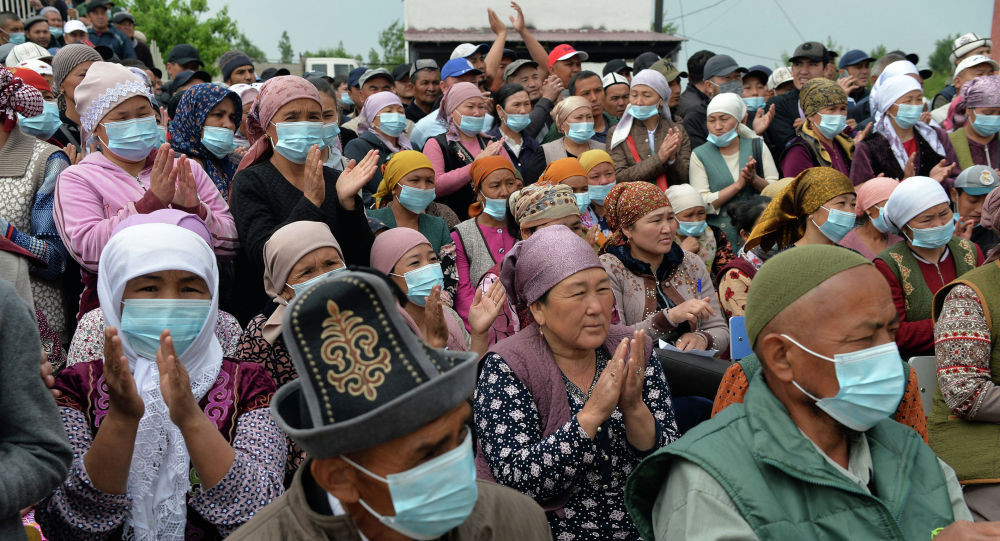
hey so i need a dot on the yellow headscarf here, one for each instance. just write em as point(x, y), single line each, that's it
point(397, 167)
point(593, 157)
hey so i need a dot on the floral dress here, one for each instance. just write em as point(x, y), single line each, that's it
point(593, 471)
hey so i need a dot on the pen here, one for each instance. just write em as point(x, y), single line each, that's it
point(699, 296)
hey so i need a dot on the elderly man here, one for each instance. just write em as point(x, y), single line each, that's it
point(963, 47)
point(812, 452)
point(385, 423)
point(426, 79)
point(808, 62)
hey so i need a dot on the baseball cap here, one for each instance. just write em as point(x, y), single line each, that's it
point(183, 53)
point(423, 64)
point(779, 77)
point(185, 76)
point(100, 4)
point(465, 50)
point(973, 60)
point(509, 53)
point(977, 180)
point(273, 72)
point(763, 72)
point(38, 66)
point(614, 78)
point(371, 74)
point(456, 67)
point(925, 72)
point(27, 51)
point(966, 43)
point(354, 76)
point(400, 72)
point(32, 21)
point(74, 26)
point(516, 65)
point(565, 51)
point(644, 61)
point(810, 50)
point(853, 58)
point(720, 65)
point(123, 16)
point(668, 69)
point(616, 66)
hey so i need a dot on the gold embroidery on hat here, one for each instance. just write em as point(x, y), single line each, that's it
point(350, 348)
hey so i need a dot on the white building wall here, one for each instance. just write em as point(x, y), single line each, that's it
point(539, 14)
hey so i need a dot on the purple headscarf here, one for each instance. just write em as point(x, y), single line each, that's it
point(373, 105)
point(982, 91)
point(456, 96)
point(655, 80)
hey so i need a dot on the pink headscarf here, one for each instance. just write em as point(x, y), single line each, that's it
point(455, 96)
point(373, 105)
point(177, 217)
point(274, 94)
point(873, 192)
point(389, 247)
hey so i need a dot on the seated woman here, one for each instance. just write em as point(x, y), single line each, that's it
point(569, 405)
point(693, 232)
point(169, 436)
point(820, 140)
point(129, 175)
point(654, 149)
point(483, 240)
point(513, 106)
point(204, 128)
point(734, 278)
point(382, 129)
point(601, 177)
point(659, 287)
point(452, 153)
point(573, 118)
point(281, 179)
point(733, 165)
point(928, 258)
point(869, 237)
point(976, 141)
point(568, 171)
point(900, 145)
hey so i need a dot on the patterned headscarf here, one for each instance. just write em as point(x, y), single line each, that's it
point(481, 168)
point(819, 93)
point(626, 204)
point(542, 203)
point(17, 97)
point(395, 168)
point(274, 94)
point(186, 128)
point(784, 220)
point(982, 92)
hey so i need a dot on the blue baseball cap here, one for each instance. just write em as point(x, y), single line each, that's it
point(854, 56)
point(456, 67)
point(760, 71)
point(354, 76)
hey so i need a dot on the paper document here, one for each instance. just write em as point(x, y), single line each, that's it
point(700, 352)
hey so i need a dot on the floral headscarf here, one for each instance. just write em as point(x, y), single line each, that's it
point(187, 124)
point(626, 203)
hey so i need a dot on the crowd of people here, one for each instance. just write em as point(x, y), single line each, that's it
point(453, 300)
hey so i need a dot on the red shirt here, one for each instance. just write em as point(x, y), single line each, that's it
point(910, 147)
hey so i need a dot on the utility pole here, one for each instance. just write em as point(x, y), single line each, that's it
point(995, 31)
point(658, 15)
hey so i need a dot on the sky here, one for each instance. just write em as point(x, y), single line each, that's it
point(755, 31)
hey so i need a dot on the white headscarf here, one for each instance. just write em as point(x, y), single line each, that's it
point(913, 196)
point(684, 196)
point(729, 103)
point(655, 80)
point(158, 494)
point(899, 67)
point(891, 90)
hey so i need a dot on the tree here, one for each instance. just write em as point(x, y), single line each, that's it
point(668, 27)
point(255, 53)
point(337, 52)
point(390, 39)
point(285, 48)
point(940, 60)
point(878, 52)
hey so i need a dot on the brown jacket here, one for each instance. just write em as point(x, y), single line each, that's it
point(303, 512)
point(628, 170)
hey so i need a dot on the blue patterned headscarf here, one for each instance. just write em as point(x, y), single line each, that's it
point(187, 124)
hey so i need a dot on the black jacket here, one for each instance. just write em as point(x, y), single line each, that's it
point(782, 129)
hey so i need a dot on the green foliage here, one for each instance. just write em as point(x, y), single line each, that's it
point(285, 48)
point(337, 52)
point(934, 85)
point(878, 52)
point(390, 39)
point(834, 46)
point(668, 27)
point(939, 60)
point(255, 53)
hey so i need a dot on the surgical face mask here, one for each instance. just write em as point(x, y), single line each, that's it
point(471, 125)
point(143, 320)
point(580, 132)
point(754, 103)
point(301, 288)
point(518, 121)
point(392, 124)
point(414, 199)
point(17, 38)
point(432, 498)
point(420, 282)
point(871, 385)
point(161, 135)
point(879, 221)
point(345, 99)
point(296, 138)
point(56, 32)
point(908, 115)
point(41, 126)
point(582, 201)
point(722, 140)
point(496, 208)
point(599, 192)
point(133, 139)
point(731, 87)
point(837, 225)
point(330, 133)
point(692, 229)
point(986, 124)
point(932, 237)
point(218, 141)
point(831, 125)
point(642, 112)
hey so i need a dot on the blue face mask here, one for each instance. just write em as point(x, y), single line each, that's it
point(296, 138)
point(420, 282)
point(580, 132)
point(392, 124)
point(831, 125)
point(161, 137)
point(330, 133)
point(301, 288)
point(986, 125)
point(932, 237)
point(432, 498)
point(582, 201)
point(518, 121)
point(722, 140)
point(879, 221)
point(414, 199)
point(692, 229)
point(41, 126)
point(871, 385)
point(471, 125)
point(132, 140)
point(17, 38)
point(837, 225)
point(754, 103)
point(599, 192)
point(642, 112)
point(143, 320)
point(56, 32)
point(345, 99)
point(908, 115)
point(496, 208)
point(218, 141)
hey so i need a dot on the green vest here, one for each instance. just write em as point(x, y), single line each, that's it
point(720, 177)
point(917, 295)
point(960, 142)
point(786, 490)
point(971, 448)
